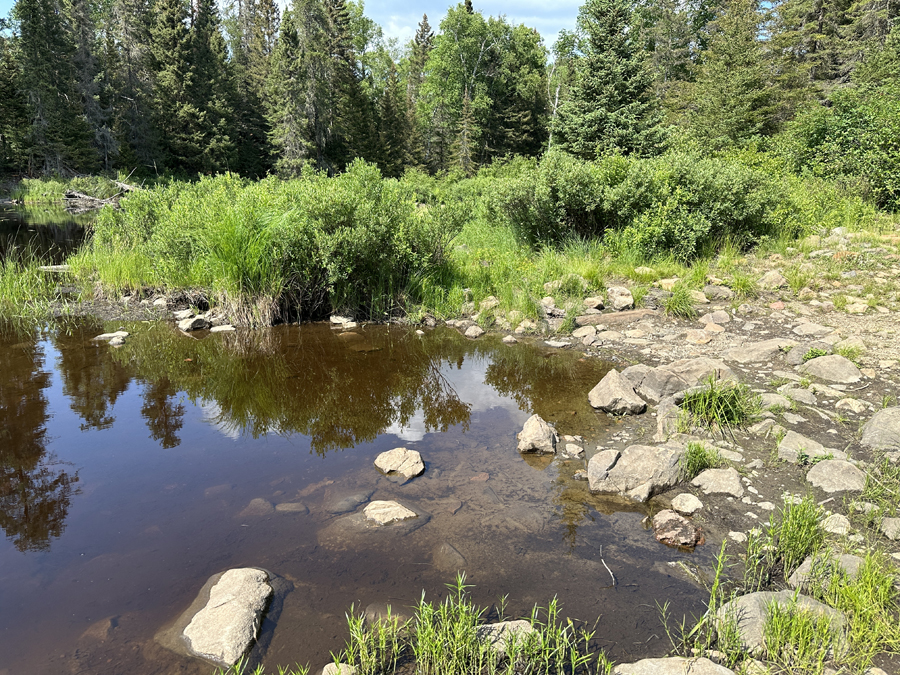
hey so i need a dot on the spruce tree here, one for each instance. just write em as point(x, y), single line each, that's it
point(210, 90)
point(465, 143)
point(393, 130)
point(175, 116)
point(13, 111)
point(610, 108)
point(734, 99)
point(420, 50)
point(59, 138)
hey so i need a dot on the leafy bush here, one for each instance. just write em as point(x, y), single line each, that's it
point(674, 205)
point(312, 244)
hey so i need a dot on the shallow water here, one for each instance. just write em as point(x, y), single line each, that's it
point(125, 474)
point(48, 232)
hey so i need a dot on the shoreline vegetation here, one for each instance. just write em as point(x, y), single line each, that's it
point(384, 249)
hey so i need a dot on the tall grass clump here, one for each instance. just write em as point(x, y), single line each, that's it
point(52, 189)
point(778, 548)
point(697, 458)
point(269, 249)
point(719, 405)
point(25, 291)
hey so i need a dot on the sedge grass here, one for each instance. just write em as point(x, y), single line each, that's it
point(719, 405)
point(697, 458)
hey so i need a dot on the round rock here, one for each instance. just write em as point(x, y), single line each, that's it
point(402, 461)
point(686, 504)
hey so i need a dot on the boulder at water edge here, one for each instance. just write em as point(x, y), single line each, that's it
point(673, 665)
point(614, 394)
point(537, 436)
point(638, 472)
point(223, 623)
point(673, 529)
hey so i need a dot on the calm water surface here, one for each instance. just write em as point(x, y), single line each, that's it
point(126, 475)
point(49, 232)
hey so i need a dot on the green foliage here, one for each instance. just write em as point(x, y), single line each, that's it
point(697, 458)
point(680, 303)
point(272, 247)
point(676, 205)
point(721, 404)
point(775, 551)
point(797, 640)
point(610, 106)
point(814, 353)
point(853, 140)
point(25, 291)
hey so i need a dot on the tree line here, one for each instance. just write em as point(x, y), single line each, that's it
point(184, 87)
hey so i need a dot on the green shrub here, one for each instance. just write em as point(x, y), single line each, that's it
point(814, 353)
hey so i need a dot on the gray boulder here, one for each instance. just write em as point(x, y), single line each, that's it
point(836, 475)
point(749, 613)
point(227, 626)
point(796, 355)
point(614, 394)
point(619, 298)
point(720, 481)
point(890, 528)
point(882, 432)
point(661, 382)
point(638, 472)
point(832, 368)
point(698, 370)
point(673, 529)
point(794, 446)
point(759, 352)
point(820, 569)
point(401, 461)
point(672, 665)
point(686, 504)
point(720, 316)
point(811, 330)
point(718, 292)
point(195, 323)
point(772, 281)
point(769, 401)
point(499, 635)
point(537, 436)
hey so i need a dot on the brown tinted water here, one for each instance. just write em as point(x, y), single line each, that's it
point(125, 477)
point(47, 232)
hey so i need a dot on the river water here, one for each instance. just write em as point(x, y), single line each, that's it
point(127, 476)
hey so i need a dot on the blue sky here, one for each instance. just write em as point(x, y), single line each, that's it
point(399, 19)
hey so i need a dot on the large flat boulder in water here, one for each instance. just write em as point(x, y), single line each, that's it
point(638, 473)
point(224, 630)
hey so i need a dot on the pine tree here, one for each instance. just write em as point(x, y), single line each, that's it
point(13, 111)
point(393, 129)
point(734, 99)
point(610, 108)
point(420, 50)
point(210, 90)
point(175, 117)
point(466, 140)
point(129, 74)
point(59, 138)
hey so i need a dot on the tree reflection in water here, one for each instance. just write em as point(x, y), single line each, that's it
point(35, 488)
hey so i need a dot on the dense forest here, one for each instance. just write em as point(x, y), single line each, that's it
point(186, 88)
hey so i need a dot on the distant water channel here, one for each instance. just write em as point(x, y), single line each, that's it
point(126, 473)
point(48, 232)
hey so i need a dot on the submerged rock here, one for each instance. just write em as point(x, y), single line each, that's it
point(195, 323)
point(121, 334)
point(387, 512)
point(537, 436)
point(226, 627)
point(346, 503)
point(406, 463)
point(257, 507)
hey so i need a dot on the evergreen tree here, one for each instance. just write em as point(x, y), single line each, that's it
point(59, 138)
point(175, 115)
point(13, 111)
point(734, 99)
point(610, 108)
point(392, 127)
point(420, 50)
point(466, 140)
point(129, 76)
point(210, 90)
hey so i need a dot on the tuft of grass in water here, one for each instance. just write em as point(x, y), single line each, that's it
point(814, 353)
point(26, 293)
point(720, 404)
point(778, 548)
point(798, 641)
point(680, 303)
point(241, 668)
point(697, 458)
